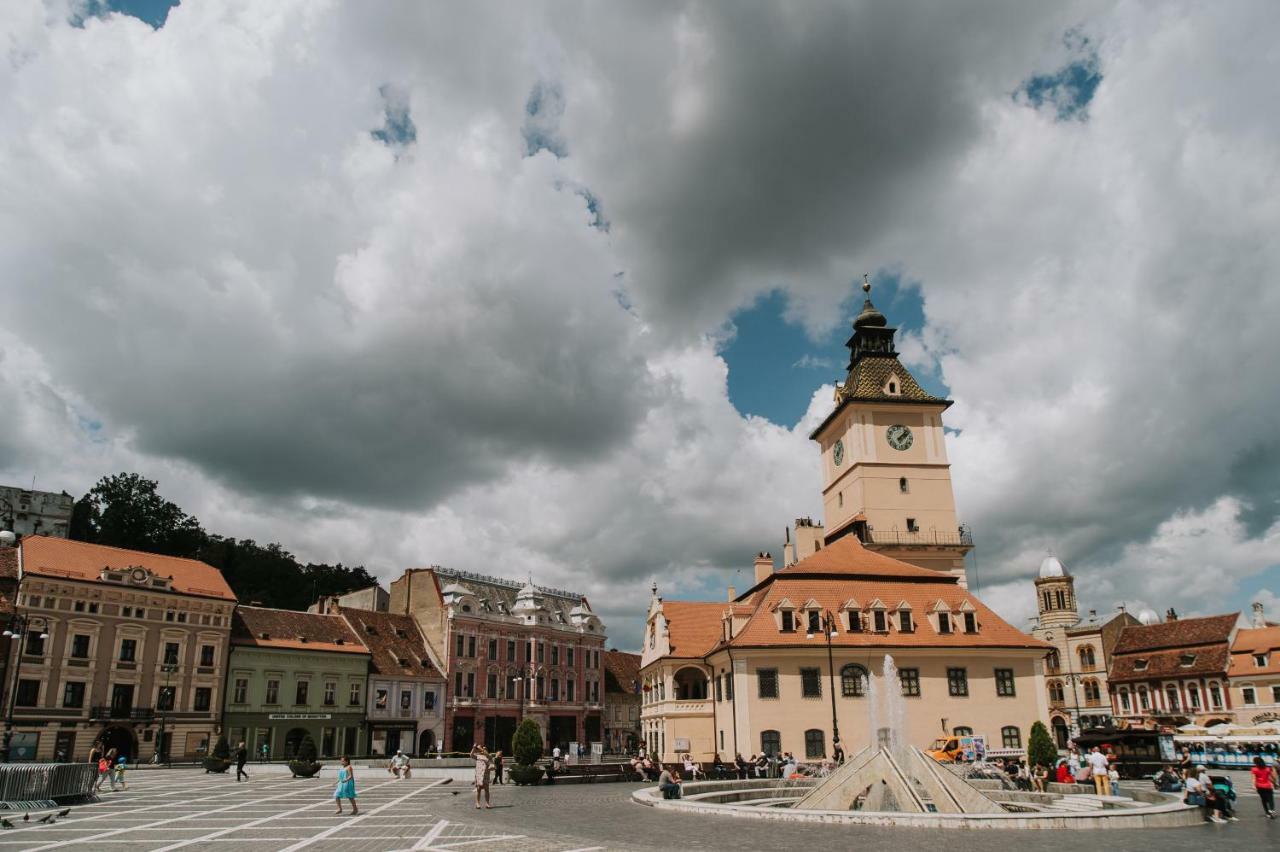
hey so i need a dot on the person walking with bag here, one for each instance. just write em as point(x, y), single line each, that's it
point(242, 757)
point(346, 788)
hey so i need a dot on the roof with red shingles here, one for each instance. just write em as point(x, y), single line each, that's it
point(79, 560)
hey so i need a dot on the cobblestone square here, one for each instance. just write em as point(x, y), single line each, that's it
point(187, 809)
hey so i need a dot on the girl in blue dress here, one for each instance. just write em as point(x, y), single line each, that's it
point(346, 786)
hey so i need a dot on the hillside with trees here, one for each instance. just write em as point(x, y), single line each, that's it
point(127, 510)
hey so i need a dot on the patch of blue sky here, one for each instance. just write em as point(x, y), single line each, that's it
point(541, 128)
point(1264, 583)
point(775, 366)
point(154, 12)
point(398, 129)
point(1069, 89)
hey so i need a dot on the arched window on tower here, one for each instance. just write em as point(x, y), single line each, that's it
point(1088, 660)
point(1048, 602)
point(1053, 662)
point(1056, 694)
point(903, 487)
point(1061, 599)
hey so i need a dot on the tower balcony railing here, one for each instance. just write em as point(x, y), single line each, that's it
point(961, 537)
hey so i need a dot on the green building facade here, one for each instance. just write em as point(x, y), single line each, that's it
point(294, 674)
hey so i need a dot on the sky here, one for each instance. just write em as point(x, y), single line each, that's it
point(560, 289)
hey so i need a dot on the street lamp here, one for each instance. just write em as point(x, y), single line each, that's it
point(830, 630)
point(162, 747)
point(18, 628)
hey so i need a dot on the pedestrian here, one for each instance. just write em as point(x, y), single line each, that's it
point(1098, 766)
point(497, 767)
point(483, 765)
point(242, 756)
point(555, 753)
point(688, 764)
point(1218, 797)
point(95, 752)
point(669, 784)
point(264, 751)
point(104, 769)
point(121, 763)
point(1264, 781)
point(1113, 779)
point(346, 788)
point(837, 751)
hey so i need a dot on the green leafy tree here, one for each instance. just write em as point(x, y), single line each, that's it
point(526, 743)
point(126, 510)
point(1040, 746)
point(221, 749)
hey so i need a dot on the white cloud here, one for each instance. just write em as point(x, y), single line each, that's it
point(420, 353)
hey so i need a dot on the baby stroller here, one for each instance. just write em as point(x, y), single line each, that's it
point(1224, 796)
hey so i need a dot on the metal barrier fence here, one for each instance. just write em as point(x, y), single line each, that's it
point(29, 782)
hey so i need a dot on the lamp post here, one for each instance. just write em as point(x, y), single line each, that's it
point(162, 747)
point(19, 627)
point(827, 622)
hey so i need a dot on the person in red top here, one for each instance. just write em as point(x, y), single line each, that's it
point(1064, 773)
point(1264, 781)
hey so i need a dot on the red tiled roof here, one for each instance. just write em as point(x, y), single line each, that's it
point(831, 593)
point(847, 557)
point(1182, 633)
point(1168, 663)
point(621, 671)
point(693, 627)
point(390, 638)
point(78, 560)
point(1255, 640)
point(299, 631)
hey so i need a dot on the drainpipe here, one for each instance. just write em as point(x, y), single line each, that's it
point(733, 705)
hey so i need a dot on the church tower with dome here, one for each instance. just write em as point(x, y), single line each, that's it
point(1056, 595)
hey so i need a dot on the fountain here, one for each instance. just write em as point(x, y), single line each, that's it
point(891, 782)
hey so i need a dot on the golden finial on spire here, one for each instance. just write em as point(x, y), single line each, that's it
point(866, 285)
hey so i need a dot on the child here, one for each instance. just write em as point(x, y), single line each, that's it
point(346, 786)
point(122, 763)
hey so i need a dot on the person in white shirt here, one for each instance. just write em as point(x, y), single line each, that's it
point(399, 765)
point(1101, 772)
point(555, 753)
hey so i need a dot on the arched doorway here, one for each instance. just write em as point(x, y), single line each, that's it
point(121, 739)
point(293, 742)
point(1060, 732)
point(426, 743)
point(691, 684)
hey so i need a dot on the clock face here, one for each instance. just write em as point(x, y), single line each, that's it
point(899, 437)
point(837, 453)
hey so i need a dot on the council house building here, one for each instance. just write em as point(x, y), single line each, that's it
point(796, 657)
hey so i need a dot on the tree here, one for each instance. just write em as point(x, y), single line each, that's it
point(1040, 747)
point(221, 749)
point(127, 511)
point(526, 743)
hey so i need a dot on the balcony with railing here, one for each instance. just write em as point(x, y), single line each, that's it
point(131, 714)
point(962, 537)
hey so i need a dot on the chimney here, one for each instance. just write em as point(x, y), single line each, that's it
point(788, 549)
point(1171, 615)
point(1258, 619)
point(764, 566)
point(809, 537)
point(733, 593)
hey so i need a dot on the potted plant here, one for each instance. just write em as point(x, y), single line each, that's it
point(303, 764)
point(526, 748)
point(220, 760)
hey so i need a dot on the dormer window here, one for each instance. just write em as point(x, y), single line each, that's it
point(814, 624)
point(905, 623)
point(879, 618)
point(893, 387)
point(1187, 660)
point(1140, 665)
point(855, 621)
point(944, 622)
point(970, 622)
point(788, 621)
point(1260, 661)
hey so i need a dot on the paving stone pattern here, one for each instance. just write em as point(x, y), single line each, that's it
point(187, 809)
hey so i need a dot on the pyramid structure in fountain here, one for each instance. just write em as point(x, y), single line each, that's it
point(908, 781)
point(892, 776)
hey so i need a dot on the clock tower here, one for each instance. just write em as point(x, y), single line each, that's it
point(886, 478)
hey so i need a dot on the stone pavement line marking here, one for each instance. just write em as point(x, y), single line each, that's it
point(586, 849)
point(108, 814)
point(149, 825)
point(493, 838)
point(254, 823)
point(432, 833)
point(329, 832)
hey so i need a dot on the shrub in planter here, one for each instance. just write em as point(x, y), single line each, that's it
point(526, 748)
point(1040, 747)
point(220, 760)
point(304, 763)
